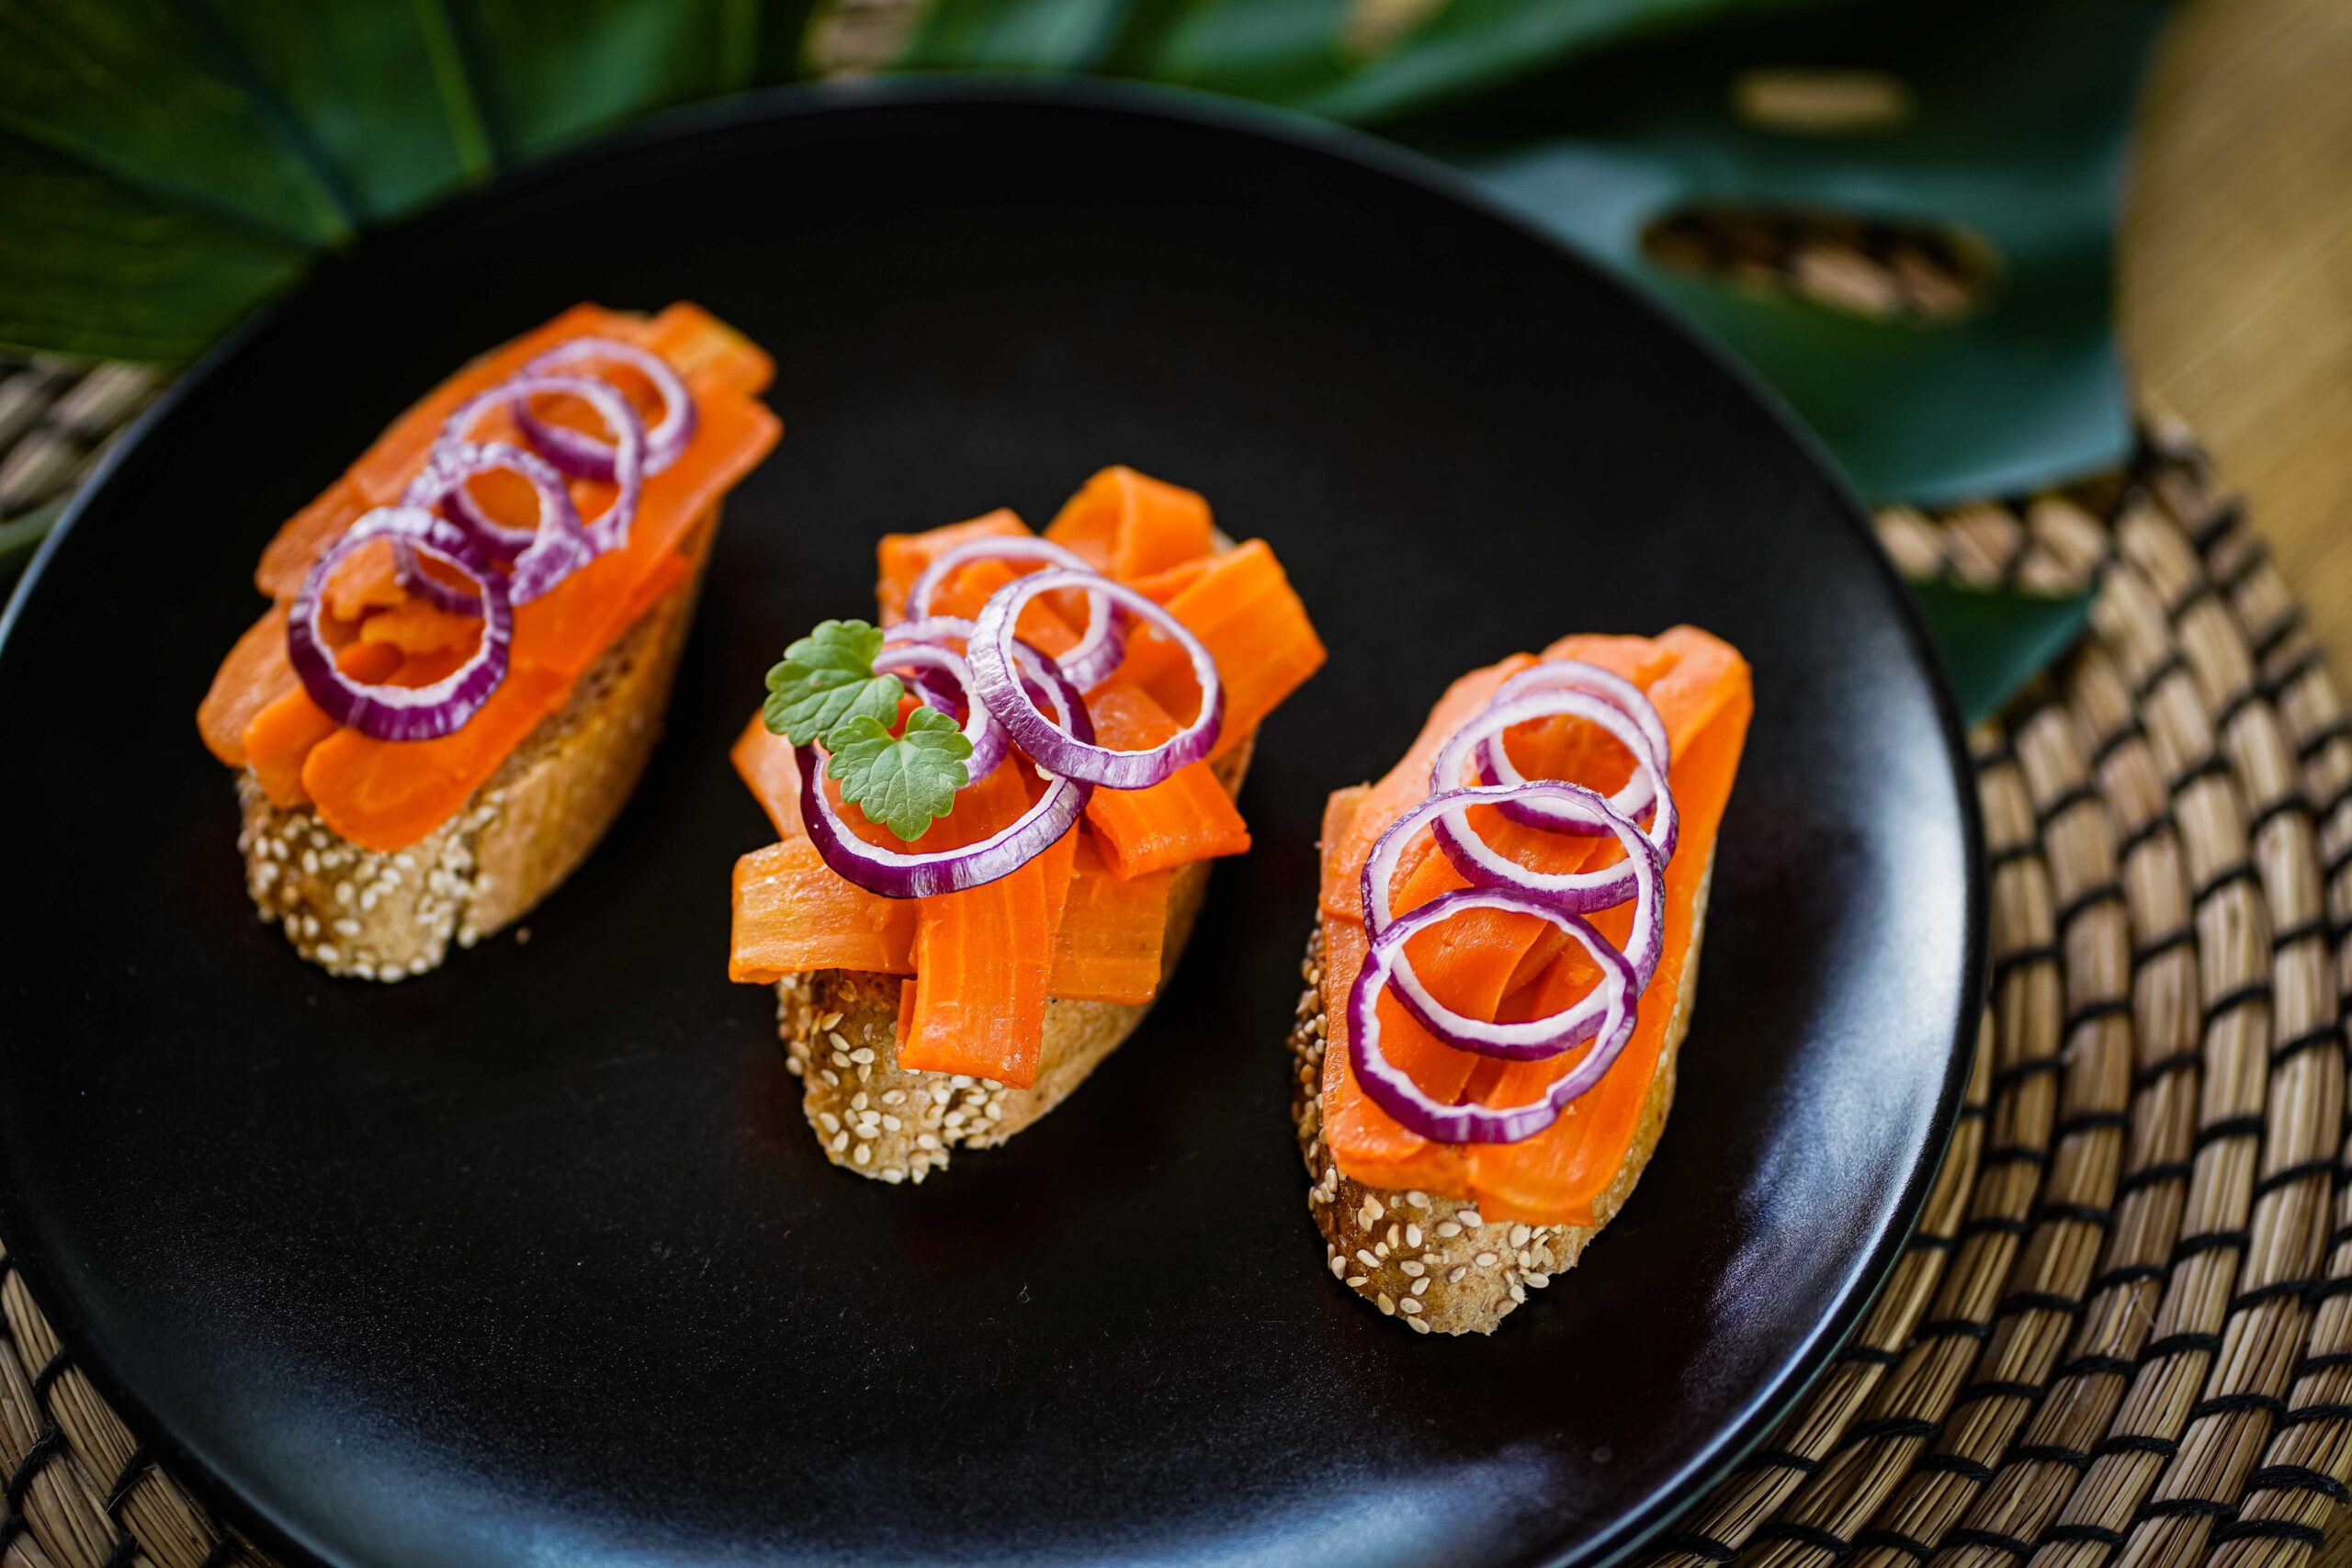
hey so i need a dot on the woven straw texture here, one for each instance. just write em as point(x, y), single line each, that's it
point(2124, 1330)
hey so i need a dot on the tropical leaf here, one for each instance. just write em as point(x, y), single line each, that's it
point(143, 92)
point(1993, 642)
point(382, 91)
point(109, 271)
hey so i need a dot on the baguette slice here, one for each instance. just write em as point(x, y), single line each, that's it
point(840, 1029)
point(1432, 1257)
point(371, 916)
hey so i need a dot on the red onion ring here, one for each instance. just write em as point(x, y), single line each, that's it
point(1640, 877)
point(576, 451)
point(1394, 1091)
point(402, 713)
point(610, 530)
point(990, 649)
point(1646, 791)
point(896, 875)
point(1100, 647)
point(542, 556)
point(980, 727)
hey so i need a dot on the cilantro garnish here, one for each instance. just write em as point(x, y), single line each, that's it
point(905, 781)
point(825, 690)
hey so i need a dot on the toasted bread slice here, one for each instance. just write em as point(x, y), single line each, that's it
point(1434, 1258)
point(372, 916)
point(840, 1029)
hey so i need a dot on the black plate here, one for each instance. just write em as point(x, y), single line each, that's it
point(534, 1260)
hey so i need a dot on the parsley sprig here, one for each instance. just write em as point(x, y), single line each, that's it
point(825, 690)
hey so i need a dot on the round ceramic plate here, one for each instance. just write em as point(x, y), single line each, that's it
point(534, 1260)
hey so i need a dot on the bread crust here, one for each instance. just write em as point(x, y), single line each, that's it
point(840, 1029)
point(1432, 1258)
point(373, 915)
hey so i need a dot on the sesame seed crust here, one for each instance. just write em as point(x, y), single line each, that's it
point(1431, 1259)
point(367, 915)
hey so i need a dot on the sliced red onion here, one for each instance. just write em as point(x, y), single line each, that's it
point(1576, 675)
point(1393, 1090)
point(402, 713)
point(1640, 877)
point(1056, 751)
point(896, 875)
point(1099, 648)
point(1646, 791)
point(542, 556)
point(980, 727)
point(608, 531)
point(576, 451)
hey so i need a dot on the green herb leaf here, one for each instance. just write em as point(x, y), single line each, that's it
point(905, 782)
point(1994, 642)
point(827, 678)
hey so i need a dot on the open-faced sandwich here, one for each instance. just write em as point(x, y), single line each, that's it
point(472, 633)
point(996, 810)
point(1501, 971)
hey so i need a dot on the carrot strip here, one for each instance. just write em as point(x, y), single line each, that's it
point(1128, 524)
point(1185, 816)
point(305, 536)
point(255, 675)
point(1244, 609)
point(767, 763)
point(901, 558)
point(706, 351)
point(415, 626)
point(792, 912)
point(1107, 947)
point(280, 739)
point(982, 958)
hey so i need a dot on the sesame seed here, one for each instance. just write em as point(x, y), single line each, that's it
point(1339, 1268)
point(864, 1155)
point(1518, 1235)
point(327, 953)
point(925, 1141)
point(841, 1142)
point(1486, 1260)
point(1411, 1265)
point(893, 1176)
point(1418, 1198)
point(1413, 1235)
point(1387, 1305)
point(1448, 1229)
point(858, 1100)
point(1421, 1286)
point(1410, 1305)
point(1418, 1325)
point(1539, 1280)
point(1469, 1218)
point(1394, 1236)
point(1453, 1275)
point(1366, 1258)
point(1372, 1209)
point(862, 1055)
point(832, 1123)
point(1358, 1281)
point(892, 1124)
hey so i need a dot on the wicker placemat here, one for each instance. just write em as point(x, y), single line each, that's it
point(2121, 1331)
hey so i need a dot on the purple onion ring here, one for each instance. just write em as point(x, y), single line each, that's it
point(1393, 1090)
point(608, 531)
point(577, 452)
point(1645, 791)
point(402, 713)
point(897, 875)
point(542, 556)
point(1100, 647)
point(980, 727)
point(1056, 751)
point(1640, 877)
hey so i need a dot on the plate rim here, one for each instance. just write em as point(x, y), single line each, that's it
point(1615, 1542)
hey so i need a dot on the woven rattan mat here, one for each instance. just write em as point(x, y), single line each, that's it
point(2124, 1330)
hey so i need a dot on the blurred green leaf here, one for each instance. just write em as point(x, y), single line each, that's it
point(1014, 35)
point(109, 271)
point(383, 92)
point(144, 91)
point(1994, 642)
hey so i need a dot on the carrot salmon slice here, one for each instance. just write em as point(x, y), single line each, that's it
point(1702, 689)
